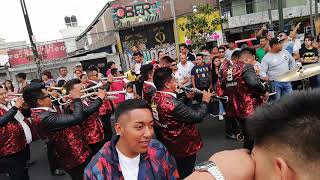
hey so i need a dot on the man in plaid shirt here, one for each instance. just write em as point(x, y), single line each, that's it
point(132, 154)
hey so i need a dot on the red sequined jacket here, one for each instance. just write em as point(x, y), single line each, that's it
point(175, 124)
point(148, 91)
point(12, 137)
point(65, 133)
point(92, 127)
point(240, 83)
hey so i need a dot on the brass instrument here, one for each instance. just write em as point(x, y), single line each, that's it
point(197, 91)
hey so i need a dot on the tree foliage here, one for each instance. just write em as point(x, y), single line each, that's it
point(198, 27)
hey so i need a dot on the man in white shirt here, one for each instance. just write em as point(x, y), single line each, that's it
point(138, 58)
point(232, 48)
point(184, 69)
point(64, 74)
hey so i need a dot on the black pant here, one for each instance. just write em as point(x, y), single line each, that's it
point(106, 121)
point(185, 165)
point(231, 126)
point(247, 141)
point(52, 157)
point(15, 165)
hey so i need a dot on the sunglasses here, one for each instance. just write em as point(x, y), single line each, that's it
point(221, 51)
point(173, 64)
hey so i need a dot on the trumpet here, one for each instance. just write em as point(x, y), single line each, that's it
point(99, 85)
point(13, 99)
point(197, 91)
point(91, 95)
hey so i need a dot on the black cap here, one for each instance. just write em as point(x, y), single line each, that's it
point(274, 41)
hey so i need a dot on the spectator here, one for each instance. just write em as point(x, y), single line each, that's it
point(130, 94)
point(185, 51)
point(8, 86)
point(231, 49)
point(22, 81)
point(77, 74)
point(161, 54)
point(309, 55)
point(117, 85)
point(148, 87)
point(184, 68)
point(48, 79)
point(138, 58)
point(64, 75)
point(201, 74)
point(110, 65)
point(252, 60)
point(263, 49)
point(293, 36)
point(215, 70)
point(276, 62)
point(84, 80)
point(289, 45)
point(132, 154)
point(177, 75)
point(222, 51)
point(214, 52)
point(79, 67)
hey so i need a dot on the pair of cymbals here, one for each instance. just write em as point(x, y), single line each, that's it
point(300, 73)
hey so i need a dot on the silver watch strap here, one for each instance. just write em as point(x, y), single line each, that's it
point(215, 172)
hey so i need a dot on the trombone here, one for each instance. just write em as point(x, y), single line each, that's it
point(197, 91)
point(68, 101)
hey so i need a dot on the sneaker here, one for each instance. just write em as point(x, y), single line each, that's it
point(58, 172)
point(221, 118)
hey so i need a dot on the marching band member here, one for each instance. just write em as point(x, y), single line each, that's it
point(15, 135)
point(148, 88)
point(239, 82)
point(92, 127)
point(175, 121)
point(106, 109)
point(62, 130)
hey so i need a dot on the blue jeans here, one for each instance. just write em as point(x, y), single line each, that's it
point(281, 88)
point(221, 108)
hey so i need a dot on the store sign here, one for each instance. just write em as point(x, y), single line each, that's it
point(47, 52)
point(141, 12)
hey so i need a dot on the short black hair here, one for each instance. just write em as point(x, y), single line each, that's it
point(114, 71)
point(160, 52)
point(130, 105)
point(274, 41)
point(109, 64)
point(130, 85)
point(308, 37)
point(293, 121)
point(264, 37)
point(92, 68)
point(22, 75)
point(167, 59)
point(36, 81)
point(183, 45)
point(32, 93)
point(146, 70)
point(231, 41)
point(199, 55)
point(248, 50)
point(161, 76)
point(70, 84)
point(137, 54)
point(63, 67)
point(235, 54)
point(61, 83)
point(285, 32)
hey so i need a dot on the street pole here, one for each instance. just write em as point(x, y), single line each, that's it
point(311, 18)
point(280, 10)
point(316, 10)
point(270, 16)
point(175, 28)
point(31, 37)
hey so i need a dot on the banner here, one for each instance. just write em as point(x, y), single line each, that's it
point(46, 52)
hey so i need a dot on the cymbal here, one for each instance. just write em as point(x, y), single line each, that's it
point(300, 73)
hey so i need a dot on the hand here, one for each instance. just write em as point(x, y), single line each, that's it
point(235, 164)
point(190, 95)
point(101, 94)
point(264, 27)
point(54, 94)
point(19, 102)
point(206, 96)
point(265, 97)
point(298, 25)
point(75, 94)
point(110, 78)
point(266, 79)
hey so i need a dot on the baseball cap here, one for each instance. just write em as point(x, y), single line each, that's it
point(78, 64)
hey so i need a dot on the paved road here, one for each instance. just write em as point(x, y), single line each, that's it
point(211, 132)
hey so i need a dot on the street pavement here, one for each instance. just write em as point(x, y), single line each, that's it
point(212, 132)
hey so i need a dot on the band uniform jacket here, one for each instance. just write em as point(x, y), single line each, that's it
point(92, 127)
point(65, 133)
point(12, 137)
point(240, 83)
point(148, 91)
point(175, 124)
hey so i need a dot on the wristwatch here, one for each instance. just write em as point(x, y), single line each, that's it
point(210, 167)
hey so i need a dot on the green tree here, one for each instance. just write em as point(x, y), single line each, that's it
point(199, 27)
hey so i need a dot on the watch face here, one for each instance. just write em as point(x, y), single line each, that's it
point(203, 166)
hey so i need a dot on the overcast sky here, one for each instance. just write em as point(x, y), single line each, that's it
point(46, 16)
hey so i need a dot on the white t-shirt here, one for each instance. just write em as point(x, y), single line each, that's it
point(137, 67)
point(185, 71)
point(179, 78)
point(229, 53)
point(129, 96)
point(129, 166)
